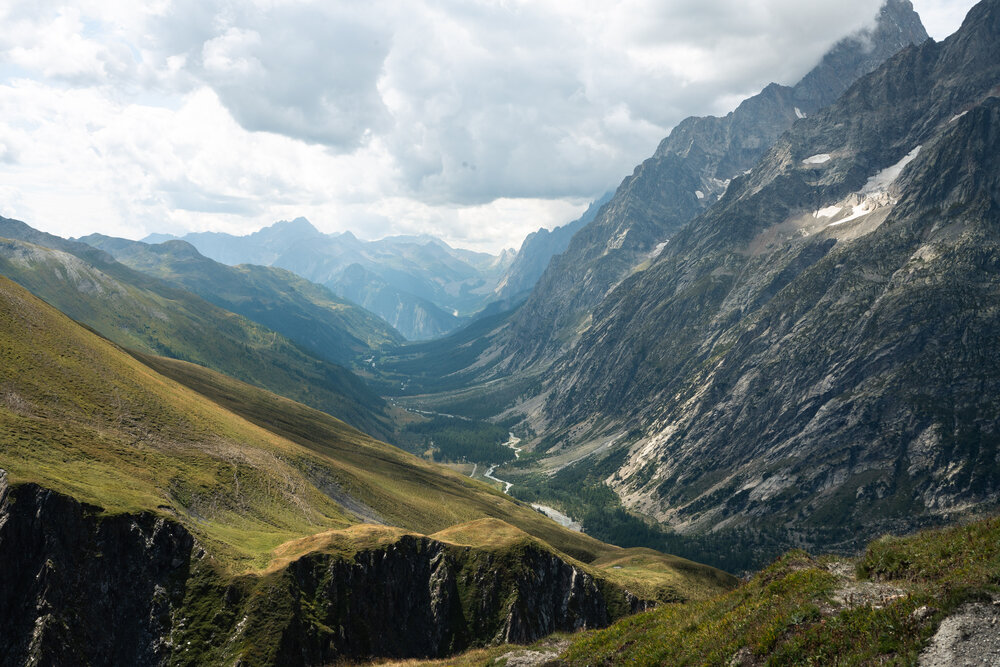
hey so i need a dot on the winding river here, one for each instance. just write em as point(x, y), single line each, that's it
point(550, 512)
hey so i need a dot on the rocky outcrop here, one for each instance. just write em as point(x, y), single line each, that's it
point(690, 170)
point(814, 354)
point(438, 599)
point(80, 586)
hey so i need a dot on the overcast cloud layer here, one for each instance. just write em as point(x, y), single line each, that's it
point(477, 121)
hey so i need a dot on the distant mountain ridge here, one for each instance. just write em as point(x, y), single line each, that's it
point(538, 249)
point(306, 313)
point(419, 284)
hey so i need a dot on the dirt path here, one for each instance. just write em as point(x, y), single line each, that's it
point(970, 636)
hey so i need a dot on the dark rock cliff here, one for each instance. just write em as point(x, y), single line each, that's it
point(419, 597)
point(78, 586)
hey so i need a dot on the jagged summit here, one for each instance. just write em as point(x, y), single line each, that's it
point(897, 26)
point(813, 352)
point(689, 171)
point(292, 229)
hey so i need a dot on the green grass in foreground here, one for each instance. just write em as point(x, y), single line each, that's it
point(803, 610)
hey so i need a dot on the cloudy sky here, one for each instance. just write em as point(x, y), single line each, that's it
point(474, 120)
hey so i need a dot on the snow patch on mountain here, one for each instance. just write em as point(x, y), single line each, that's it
point(883, 179)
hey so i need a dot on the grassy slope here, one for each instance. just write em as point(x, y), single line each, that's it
point(253, 475)
point(307, 313)
point(803, 610)
point(144, 313)
point(794, 612)
point(408, 491)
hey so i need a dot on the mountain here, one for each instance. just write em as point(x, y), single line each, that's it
point(200, 520)
point(420, 285)
point(690, 171)
point(144, 313)
point(537, 250)
point(814, 355)
point(262, 247)
point(701, 155)
point(417, 316)
point(308, 314)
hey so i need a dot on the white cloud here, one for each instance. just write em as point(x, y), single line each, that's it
point(942, 17)
point(477, 121)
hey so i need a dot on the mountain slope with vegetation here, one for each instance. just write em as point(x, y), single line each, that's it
point(145, 313)
point(230, 523)
point(304, 312)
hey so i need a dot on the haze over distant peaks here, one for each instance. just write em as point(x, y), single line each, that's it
point(419, 284)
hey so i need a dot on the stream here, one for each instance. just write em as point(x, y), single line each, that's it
point(550, 512)
point(512, 442)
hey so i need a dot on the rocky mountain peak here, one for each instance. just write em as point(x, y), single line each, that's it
point(896, 27)
point(691, 170)
point(299, 227)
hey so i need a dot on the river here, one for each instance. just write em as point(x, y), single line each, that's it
point(550, 512)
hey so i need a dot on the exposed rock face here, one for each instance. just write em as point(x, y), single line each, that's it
point(81, 587)
point(690, 170)
point(437, 599)
point(837, 373)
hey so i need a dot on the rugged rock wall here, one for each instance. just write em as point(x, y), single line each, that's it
point(419, 597)
point(691, 170)
point(832, 379)
point(77, 587)
point(81, 587)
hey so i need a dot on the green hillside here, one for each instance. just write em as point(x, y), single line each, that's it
point(243, 469)
point(144, 313)
point(306, 313)
point(880, 609)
